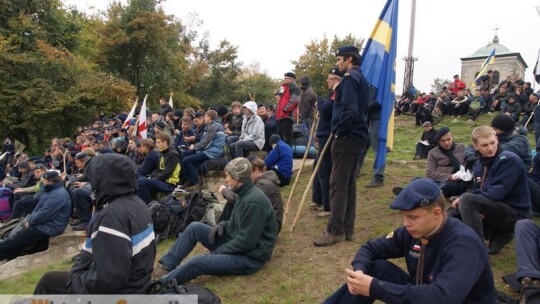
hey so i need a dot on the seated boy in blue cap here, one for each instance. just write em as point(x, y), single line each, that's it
point(446, 261)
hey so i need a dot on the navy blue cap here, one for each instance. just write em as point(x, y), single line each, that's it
point(421, 192)
point(347, 50)
point(51, 174)
point(335, 71)
point(442, 132)
point(290, 74)
point(198, 114)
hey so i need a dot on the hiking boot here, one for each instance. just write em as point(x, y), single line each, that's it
point(160, 271)
point(375, 183)
point(416, 157)
point(496, 244)
point(324, 214)
point(397, 190)
point(328, 239)
point(75, 223)
point(349, 237)
point(80, 227)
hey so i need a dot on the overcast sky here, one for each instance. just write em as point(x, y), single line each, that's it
point(272, 33)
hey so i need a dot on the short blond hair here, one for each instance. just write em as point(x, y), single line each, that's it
point(482, 132)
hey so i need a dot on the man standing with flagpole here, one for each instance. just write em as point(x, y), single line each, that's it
point(349, 126)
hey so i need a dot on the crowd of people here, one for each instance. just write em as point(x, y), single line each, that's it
point(107, 176)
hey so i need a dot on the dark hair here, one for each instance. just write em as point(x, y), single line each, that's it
point(259, 164)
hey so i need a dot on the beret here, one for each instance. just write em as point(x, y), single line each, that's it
point(421, 192)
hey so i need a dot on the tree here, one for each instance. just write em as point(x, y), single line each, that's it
point(147, 48)
point(220, 84)
point(45, 90)
point(438, 84)
point(319, 58)
point(257, 85)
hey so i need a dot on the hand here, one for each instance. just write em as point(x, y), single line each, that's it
point(191, 147)
point(217, 229)
point(16, 190)
point(455, 203)
point(26, 225)
point(358, 283)
point(221, 188)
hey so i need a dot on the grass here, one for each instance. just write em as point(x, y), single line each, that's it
point(300, 272)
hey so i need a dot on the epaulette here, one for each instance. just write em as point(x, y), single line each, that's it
point(390, 235)
point(346, 74)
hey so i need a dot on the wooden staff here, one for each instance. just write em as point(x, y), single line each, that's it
point(304, 197)
point(312, 133)
point(532, 114)
point(64, 155)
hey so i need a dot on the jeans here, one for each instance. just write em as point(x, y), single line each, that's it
point(25, 205)
point(14, 246)
point(382, 270)
point(239, 147)
point(83, 203)
point(345, 152)
point(148, 186)
point(190, 164)
point(527, 240)
point(498, 218)
point(206, 264)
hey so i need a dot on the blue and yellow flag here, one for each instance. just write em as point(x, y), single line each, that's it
point(379, 67)
point(489, 60)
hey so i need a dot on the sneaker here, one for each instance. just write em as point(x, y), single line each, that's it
point(375, 183)
point(160, 271)
point(80, 227)
point(397, 190)
point(496, 244)
point(324, 214)
point(328, 239)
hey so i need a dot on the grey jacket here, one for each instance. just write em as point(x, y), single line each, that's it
point(438, 165)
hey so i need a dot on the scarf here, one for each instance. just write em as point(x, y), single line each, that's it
point(450, 154)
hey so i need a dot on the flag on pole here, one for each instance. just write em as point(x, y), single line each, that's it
point(489, 60)
point(142, 119)
point(536, 71)
point(170, 100)
point(378, 66)
point(127, 122)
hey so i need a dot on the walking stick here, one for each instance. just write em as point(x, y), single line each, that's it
point(532, 114)
point(297, 178)
point(304, 197)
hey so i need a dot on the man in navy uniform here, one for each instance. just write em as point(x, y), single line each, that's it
point(446, 261)
point(350, 131)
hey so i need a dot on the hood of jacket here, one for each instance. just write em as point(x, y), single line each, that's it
point(271, 176)
point(252, 106)
point(111, 175)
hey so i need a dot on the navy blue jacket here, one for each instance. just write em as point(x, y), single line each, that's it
point(324, 128)
point(456, 267)
point(349, 117)
point(52, 212)
point(505, 182)
point(280, 158)
point(519, 144)
point(150, 163)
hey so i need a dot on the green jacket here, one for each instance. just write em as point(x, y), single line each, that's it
point(252, 228)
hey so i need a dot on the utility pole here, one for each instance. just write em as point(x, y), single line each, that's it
point(409, 60)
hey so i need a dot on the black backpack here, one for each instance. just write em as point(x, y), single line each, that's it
point(193, 211)
point(163, 213)
point(204, 295)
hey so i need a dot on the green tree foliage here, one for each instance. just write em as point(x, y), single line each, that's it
point(257, 85)
point(220, 83)
point(146, 47)
point(45, 90)
point(319, 58)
